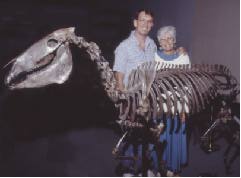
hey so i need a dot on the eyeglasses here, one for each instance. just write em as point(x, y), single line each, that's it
point(145, 21)
point(169, 39)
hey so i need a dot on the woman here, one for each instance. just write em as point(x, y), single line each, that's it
point(175, 152)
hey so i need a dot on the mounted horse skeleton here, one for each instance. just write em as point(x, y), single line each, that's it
point(155, 90)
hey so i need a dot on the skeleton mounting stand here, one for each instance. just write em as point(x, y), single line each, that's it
point(208, 143)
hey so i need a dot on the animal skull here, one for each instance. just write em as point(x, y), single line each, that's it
point(47, 61)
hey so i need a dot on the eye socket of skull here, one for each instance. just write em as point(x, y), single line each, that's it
point(52, 43)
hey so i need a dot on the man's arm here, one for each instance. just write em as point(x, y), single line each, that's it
point(119, 79)
point(120, 66)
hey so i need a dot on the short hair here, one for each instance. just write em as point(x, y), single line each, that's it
point(164, 30)
point(147, 11)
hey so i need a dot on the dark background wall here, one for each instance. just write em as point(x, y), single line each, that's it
point(68, 130)
point(209, 30)
point(216, 34)
point(106, 22)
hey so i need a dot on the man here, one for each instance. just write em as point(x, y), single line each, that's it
point(136, 49)
point(133, 51)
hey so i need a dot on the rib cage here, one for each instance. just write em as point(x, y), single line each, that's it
point(174, 89)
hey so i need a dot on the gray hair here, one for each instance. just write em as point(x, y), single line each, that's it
point(166, 29)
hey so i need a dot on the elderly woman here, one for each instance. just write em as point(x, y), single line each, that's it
point(175, 152)
point(167, 53)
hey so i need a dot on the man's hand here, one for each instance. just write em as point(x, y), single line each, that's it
point(119, 81)
point(182, 51)
point(182, 117)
